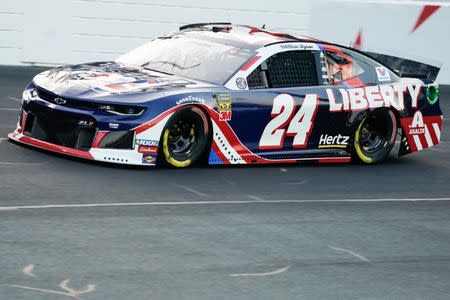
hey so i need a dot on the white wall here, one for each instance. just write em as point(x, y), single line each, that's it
point(11, 31)
point(387, 26)
point(74, 31)
point(71, 31)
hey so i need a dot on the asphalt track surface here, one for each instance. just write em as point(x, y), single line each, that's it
point(271, 232)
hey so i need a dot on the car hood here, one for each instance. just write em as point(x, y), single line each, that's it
point(110, 81)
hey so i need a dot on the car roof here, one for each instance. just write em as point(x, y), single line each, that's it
point(242, 36)
point(253, 38)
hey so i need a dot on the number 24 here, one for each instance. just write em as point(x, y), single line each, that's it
point(300, 124)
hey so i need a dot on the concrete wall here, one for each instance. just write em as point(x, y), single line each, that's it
point(11, 31)
point(70, 31)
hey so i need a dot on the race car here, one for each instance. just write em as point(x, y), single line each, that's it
point(220, 93)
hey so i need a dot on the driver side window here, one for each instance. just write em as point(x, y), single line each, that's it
point(342, 67)
point(348, 67)
point(284, 70)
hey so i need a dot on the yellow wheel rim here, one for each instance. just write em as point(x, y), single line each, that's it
point(357, 146)
point(169, 158)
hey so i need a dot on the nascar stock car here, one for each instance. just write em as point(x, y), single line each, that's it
point(233, 94)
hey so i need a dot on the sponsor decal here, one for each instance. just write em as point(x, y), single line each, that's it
point(420, 132)
point(148, 158)
point(152, 143)
point(190, 99)
point(148, 149)
point(224, 105)
point(241, 83)
point(84, 123)
point(371, 97)
point(337, 141)
point(432, 93)
point(417, 126)
point(113, 125)
point(383, 74)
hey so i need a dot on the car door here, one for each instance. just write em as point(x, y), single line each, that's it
point(280, 115)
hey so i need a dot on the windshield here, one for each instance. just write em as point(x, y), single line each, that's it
point(189, 57)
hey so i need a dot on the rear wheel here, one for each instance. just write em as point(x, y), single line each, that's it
point(185, 138)
point(375, 136)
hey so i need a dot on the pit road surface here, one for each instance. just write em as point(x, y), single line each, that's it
point(272, 232)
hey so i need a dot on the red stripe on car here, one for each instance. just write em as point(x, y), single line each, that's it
point(335, 160)
point(219, 153)
point(98, 138)
point(56, 148)
point(250, 63)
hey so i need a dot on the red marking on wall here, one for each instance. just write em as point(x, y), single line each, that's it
point(358, 40)
point(426, 13)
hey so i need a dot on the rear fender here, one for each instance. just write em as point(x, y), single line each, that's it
point(421, 125)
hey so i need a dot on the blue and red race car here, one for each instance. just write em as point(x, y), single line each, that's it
point(232, 94)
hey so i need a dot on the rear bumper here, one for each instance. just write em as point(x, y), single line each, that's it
point(419, 132)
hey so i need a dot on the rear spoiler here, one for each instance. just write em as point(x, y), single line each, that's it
point(407, 68)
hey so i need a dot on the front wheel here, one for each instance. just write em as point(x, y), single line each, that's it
point(185, 138)
point(375, 136)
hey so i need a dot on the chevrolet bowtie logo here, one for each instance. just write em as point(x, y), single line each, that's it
point(60, 101)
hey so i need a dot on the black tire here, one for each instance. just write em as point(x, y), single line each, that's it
point(185, 138)
point(375, 136)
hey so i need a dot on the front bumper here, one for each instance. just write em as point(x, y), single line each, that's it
point(78, 133)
